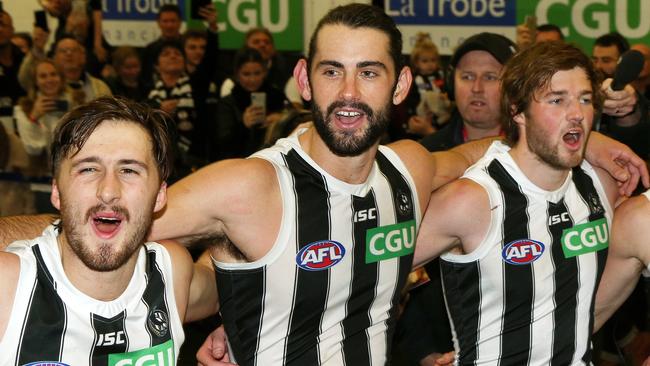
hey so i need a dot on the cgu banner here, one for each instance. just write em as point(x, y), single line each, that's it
point(132, 22)
point(449, 22)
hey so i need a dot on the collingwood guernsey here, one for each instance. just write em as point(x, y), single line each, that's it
point(327, 291)
point(53, 323)
point(525, 296)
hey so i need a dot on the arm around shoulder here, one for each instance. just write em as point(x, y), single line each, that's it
point(195, 288)
point(457, 217)
point(14, 228)
point(624, 261)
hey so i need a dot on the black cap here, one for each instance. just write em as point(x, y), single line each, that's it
point(497, 45)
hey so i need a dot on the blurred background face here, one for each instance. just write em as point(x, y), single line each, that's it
point(605, 59)
point(195, 50)
point(171, 60)
point(57, 7)
point(251, 76)
point(263, 43)
point(6, 29)
point(130, 69)
point(70, 57)
point(169, 24)
point(427, 63)
point(21, 43)
point(48, 79)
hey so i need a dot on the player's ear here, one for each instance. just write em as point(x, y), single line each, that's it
point(404, 80)
point(161, 197)
point(301, 74)
point(55, 198)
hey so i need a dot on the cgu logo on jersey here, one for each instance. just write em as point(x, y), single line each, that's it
point(585, 238)
point(111, 338)
point(160, 355)
point(390, 241)
point(320, 255)
point(522, 251)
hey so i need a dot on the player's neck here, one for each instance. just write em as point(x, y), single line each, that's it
point(103, 286)
point(536, 170)
point(352, 169)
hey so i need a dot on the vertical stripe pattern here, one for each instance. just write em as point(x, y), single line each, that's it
point(339, 314)
point(518, 299)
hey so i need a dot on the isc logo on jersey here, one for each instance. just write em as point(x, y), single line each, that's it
point(320, 255)
point(522, 251)
point(160, 355)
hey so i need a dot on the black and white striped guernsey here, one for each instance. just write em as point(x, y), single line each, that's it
point(326, 293)
point(525, 296)
point(52, 321)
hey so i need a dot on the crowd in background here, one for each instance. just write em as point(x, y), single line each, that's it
point(227, 112)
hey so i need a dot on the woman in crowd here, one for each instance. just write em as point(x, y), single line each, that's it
point(37, 115)
point(241, 123)
point(127, 81)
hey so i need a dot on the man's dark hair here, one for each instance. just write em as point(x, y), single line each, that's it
point(169, 43)
point(362, 16)
point(169, 8)
point(530, 71)
point(245, 55)
point(193, 34)
point(259, 30)
point(550, 28)
point(613, 39)
point(27, 37)
point(76, 126)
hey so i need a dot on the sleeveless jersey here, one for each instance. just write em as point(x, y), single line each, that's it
point(52, 321)
point(526, 295)
point(327, 291)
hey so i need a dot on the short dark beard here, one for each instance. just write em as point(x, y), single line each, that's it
point(346, 144)
point(105, 259)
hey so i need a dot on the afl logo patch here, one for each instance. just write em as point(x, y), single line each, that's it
point(522, 251)
point(46, 363)
point(320, 255)
point(158, 322)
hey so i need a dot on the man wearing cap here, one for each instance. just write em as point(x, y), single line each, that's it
point(475, 86)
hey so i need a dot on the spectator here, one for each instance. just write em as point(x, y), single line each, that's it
point(427, 105)
point(172, 93)
point(127, 81)
point(201, 51)
point(543, 33)
point(11, 58)
point(242, 125)
point(476, 70)
point(261, 39)
point(169, 22)
point(83, 20)
point(608, 48)
point(642, 83)
point(23, 40)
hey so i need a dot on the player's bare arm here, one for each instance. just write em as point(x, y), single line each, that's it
point(625, 260)
point(195, 288)
point(457, 219)
point(14, 228)
point(10, 271)
point(237, 200)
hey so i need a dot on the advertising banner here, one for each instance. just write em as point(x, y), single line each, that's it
point(133, 22)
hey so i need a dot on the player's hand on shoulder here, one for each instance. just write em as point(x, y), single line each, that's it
point(214, 351)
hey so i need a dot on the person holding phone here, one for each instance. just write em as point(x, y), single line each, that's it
point(38, 113)
point(251, 107)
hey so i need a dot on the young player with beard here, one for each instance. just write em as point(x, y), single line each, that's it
point(520, 280)
point(315, 234)
point(89, 290)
